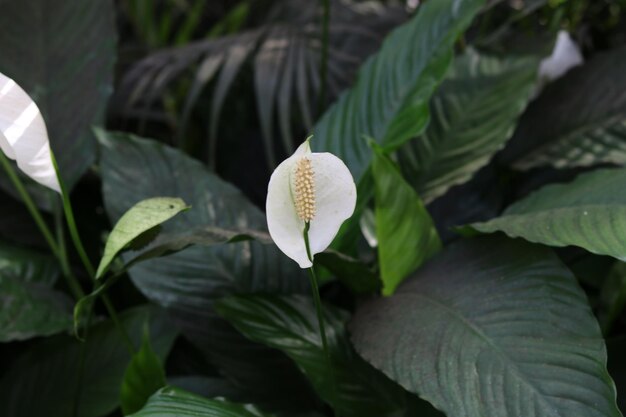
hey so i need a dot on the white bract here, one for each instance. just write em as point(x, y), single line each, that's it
point(565, 56)
point(308, 187)
point(23, 134)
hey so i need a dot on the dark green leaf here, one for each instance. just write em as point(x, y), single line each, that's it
point(390, 99)
point(491, 327)
point(612, 296)
point(473, 114)
point(352, 272)
point(172, 402)
point(141, 218)
point(589, 212)
point(405, 231)
point(30, 307)
point(43, 381)
point(580, 120)
point(188, 282)
point(143, 377)
point(290, 324)
point(63, 56)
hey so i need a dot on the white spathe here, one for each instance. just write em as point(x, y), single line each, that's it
point(23, 134)
point(565, 56)
point(335, 199)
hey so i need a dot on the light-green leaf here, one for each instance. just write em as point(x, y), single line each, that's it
point(405, 231)
point(143, 377)
point(290, 325)
point(141, 218)
point(173, 402)
point(491, 327)
point(390, 99)
point(473, 114)
point(589, 212)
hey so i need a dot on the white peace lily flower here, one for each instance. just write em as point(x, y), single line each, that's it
point(308, 187)
point(565, 56)
point(23, 134)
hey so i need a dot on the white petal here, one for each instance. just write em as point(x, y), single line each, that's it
point(283, 223)
point(335, 199)
point(565, 56)
point(23, 134)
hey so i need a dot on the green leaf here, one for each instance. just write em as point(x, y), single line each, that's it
point(141, 218)
point(289, 323)
point(63, 56)
point(579, 120)
point(30, 307)
point(43, 380)
point(351, 272)
point(612, 296)
point(406, 234)
point(143, 377)
point(390, 99)
point(589, 212)
point(491, 327)
point(188, 282)
point(473, 114)
point(172, 402)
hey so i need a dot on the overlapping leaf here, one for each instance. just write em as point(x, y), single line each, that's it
point(492, 327)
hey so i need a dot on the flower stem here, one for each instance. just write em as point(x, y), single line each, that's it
point(320, 317)
point(57, 250)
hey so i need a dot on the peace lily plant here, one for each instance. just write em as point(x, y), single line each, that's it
point(309, 196)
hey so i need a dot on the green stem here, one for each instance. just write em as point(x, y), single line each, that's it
point(324, 59)
point(78, 244)
point(57, 249)
point(320, 317)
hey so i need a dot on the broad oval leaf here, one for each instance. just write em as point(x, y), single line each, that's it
point(390, 99)
point(188, 282)
point(289, 323)
point(491, 327)
point(66, 65)
point(141, 218)
point(405, 231)
point(473, 114)
point(173, 402)
point(580, 120)
point(589, 212)
point(44, 381)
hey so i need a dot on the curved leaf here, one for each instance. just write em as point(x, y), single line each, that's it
point(63, 56)
point(492, 327)
point(473, 114)
point(28, 265)
point(44, 381)
point(141, 218)
point(188, 282)
point(580, 120)
point(172, 402)
point(390, 99)
point(589, 212)
point(290, 324)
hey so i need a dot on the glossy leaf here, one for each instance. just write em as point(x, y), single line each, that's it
point(390, 99)
point(27, 265)
point(143, 377)
point(589, 212)
point(473, 114)
point(66, 65)
point(172, 402)
point(141, 218)
point(290, 325)
point(491, 327)
point(188, 282)
point(579, 120)
point(43, 381)
point(406, 233)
